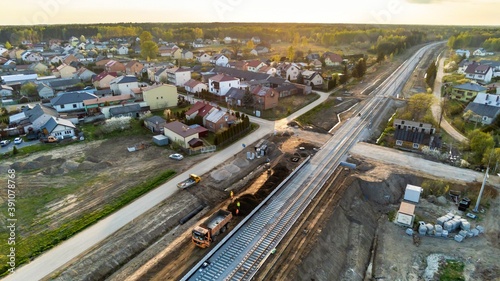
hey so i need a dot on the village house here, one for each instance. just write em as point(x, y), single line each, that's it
point(134, 67)
point(203, 58)
point(234, 97)
point(160, 96)
point(265, 97)
point(219, 60)
point(59, 128)
point(289, 71)
point(122, 50)
point(218, 120)
point(93, 106)
point(64, 71)
point(155, 123)
point(479, 73)
point(221, 83)
point(483, 109)
point(84, 74)
point(178, 76)
point(466, 92)
point(332, 59)
point(414, 135)
point(71, 101)
point(201, 109)
point(123, 85)
point(114, 66)
point(461, 53)
point(6, 91)
point(187, 55)
point(103, 80)
point(180, 133)
point(194, 86)
point(312, 78)
point(45, 91)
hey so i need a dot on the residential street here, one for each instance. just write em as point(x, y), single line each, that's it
point(436, 107)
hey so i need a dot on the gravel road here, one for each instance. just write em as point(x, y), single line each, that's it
point(414, 162)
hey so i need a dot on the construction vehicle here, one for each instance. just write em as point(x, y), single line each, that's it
point(207, 232)
point(192, 180)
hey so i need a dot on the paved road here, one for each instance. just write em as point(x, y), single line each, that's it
point(10, 147)
point(80, 243)
point(436, 107)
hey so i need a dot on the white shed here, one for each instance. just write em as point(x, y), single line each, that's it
point(412, 193)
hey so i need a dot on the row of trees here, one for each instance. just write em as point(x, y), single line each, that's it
point(488, 39)
point(234, 131)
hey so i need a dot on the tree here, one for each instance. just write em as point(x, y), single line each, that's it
point(149, 50)
point(290, 53)
point(82, 38)
point(247, 99)
point(250, 45)
point(480, 144)
point(145, 36)
point(419, 105)
point(8, 46)
point(431, 74)
point(29, 89)
point(345, 75)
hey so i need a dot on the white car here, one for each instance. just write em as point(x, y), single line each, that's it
point(18, 140)
point(176, 156)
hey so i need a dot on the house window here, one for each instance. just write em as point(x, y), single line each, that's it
point(399, 143)
point(74, 105)
point(421, 125)
point(415, 145)
point(402, 122)
point(62, 105)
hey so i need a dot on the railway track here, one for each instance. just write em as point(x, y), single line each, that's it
point(241, 254)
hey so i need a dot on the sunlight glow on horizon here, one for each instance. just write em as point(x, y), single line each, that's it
point(407, 12)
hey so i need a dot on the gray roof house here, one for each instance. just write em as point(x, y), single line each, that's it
point(485, 108)
point(131, 110)
point(235, 96)
point(59, 128)
point(45, 91)
point(72, 101)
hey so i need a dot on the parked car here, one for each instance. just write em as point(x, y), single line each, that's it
point(472, 216)
point(176, 156)
point(4, 143)
point(18, 140)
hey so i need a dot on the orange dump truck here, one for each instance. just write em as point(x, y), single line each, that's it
point(206, 232)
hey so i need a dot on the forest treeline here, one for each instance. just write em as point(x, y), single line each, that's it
point(487, 38)
point(378, 38)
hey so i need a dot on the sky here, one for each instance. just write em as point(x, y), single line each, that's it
point(428, 12)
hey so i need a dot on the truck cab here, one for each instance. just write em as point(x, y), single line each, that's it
point(201, 237)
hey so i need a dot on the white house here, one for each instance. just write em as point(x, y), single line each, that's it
point(123, 85)
point(203, 58)
point(220, 84)
point(289, 71)
point(485, 108)
point(312, 78)
point(219, 60)
point(59, 128)
point(6, 91)
point(71, 101)
point(480, 73)
point(461, 52)
point(122, 50)
point(187, 55)
point(178, 76)
point(45, 91)
point(194, 86)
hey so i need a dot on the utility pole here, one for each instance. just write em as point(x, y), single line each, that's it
point(476, 209)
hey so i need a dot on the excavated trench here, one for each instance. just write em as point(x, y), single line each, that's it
point(343, 247)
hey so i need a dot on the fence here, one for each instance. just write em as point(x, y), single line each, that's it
point(203, 149)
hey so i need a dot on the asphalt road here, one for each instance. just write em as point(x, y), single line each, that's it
point(11, 145)
point(83, 241)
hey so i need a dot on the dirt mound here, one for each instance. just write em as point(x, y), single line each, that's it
point(37, 164)
point(248, 202)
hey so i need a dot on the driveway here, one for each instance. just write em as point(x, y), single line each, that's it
point(436, 107)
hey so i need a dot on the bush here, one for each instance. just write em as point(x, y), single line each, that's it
point(116, 123)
